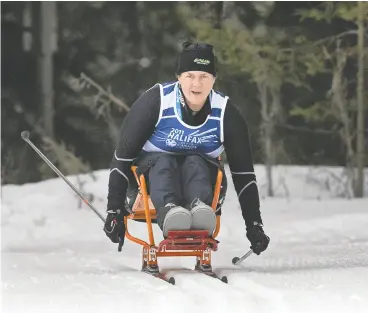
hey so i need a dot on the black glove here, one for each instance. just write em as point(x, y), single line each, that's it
point(258, 239)
point(114, 226)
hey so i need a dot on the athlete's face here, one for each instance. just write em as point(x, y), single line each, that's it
point(196, 86)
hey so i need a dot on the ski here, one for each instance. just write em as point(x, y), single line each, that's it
point(161, 276)
point(208, 271)
point(171, 280)
point(154, 272)
point(201, 269)
point(213, 275)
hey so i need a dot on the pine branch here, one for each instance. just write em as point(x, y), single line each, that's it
point(102, 91)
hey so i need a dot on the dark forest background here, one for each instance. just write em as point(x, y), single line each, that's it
point(70, 71)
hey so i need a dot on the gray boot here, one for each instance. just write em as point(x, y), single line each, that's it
point(177, 218)
point(203, 217)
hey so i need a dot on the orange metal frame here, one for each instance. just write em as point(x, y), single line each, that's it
point(143, 210)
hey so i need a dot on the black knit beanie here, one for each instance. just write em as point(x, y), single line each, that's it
point(196, 57)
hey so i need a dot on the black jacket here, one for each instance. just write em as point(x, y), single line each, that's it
point(138, 127)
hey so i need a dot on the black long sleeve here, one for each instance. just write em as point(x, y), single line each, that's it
point(239, 156)
point(137, 128)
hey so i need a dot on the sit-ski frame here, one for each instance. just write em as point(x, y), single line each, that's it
point(178, 243)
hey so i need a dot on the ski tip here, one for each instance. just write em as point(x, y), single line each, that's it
point(171, 280)
point(224, 279)
point(25, 134)
point(235, 260)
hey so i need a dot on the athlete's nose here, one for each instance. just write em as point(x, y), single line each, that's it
point(196, 82)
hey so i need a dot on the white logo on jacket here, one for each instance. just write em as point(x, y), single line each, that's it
point(170, 142)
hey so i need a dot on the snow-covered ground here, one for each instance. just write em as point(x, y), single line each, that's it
point(56, 258)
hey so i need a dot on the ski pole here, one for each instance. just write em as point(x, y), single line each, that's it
point(237, 260)
point(25, 136)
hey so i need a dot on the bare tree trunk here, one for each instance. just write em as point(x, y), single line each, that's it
point(359, 190)
point(266, 135)
point(275, 117)
point(340, 105)
point(219, 10)
point(142, 28)
point(48, 47)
